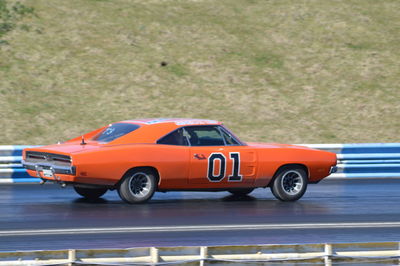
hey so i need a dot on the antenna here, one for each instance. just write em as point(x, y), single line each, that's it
point(83, 141)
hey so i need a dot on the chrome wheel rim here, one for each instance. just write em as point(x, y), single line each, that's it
point(292, 183)
point(139, 185)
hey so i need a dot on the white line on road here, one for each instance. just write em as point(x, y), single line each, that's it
point(149, 229)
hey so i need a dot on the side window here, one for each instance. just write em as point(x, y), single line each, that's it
point(174, 138)
point(204, 136)
point(229, 139)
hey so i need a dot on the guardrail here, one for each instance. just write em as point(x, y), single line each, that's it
point(364, 160)
point(360, 160)
point(11, 170)
point(387, 252)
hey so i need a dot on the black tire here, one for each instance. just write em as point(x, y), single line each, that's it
point(138, 185)
point(290, 183)
point(241, 191)
point(90, 193)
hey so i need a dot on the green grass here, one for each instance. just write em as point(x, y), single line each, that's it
point(307, 71)
point(10, 15)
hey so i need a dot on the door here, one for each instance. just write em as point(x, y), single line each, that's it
point(217, 161)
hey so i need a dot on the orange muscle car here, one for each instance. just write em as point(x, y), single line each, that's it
point(139, 157)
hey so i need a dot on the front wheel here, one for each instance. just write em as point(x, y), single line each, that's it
point(90, 193)
point(290, 183)
point(137, 186)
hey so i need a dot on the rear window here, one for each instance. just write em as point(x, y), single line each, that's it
point(115, 131)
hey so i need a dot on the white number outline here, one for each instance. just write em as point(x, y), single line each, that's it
point(222, 170)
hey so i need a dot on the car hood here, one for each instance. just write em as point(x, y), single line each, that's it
point(276, 146)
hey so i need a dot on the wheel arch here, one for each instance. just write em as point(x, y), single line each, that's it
point(136, 168)
point(304, 167)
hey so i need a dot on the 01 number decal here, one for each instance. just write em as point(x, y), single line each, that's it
point(217, 177)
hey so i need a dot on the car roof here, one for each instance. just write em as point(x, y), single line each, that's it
point(152, 129)
point(178, 121)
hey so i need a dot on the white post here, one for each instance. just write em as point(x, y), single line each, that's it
point(328, 255)
point(154, 255)
point(203, 255)
point(398, 254)
point(71, 257)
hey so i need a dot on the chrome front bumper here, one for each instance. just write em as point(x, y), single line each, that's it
point(333, 169)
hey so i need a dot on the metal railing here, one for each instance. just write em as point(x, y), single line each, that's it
point(387, 252)
point(11, 170)
point(364, 160)
point(360, 160)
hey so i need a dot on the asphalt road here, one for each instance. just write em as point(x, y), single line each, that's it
point(36, 217)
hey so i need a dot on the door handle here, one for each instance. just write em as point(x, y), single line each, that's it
point(199, 156)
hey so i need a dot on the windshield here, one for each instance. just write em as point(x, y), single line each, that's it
point(115, 131)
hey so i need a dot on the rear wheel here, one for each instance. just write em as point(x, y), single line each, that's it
point(241, 191)
point(138, 186)
point(290, 183)
point(90, 193)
